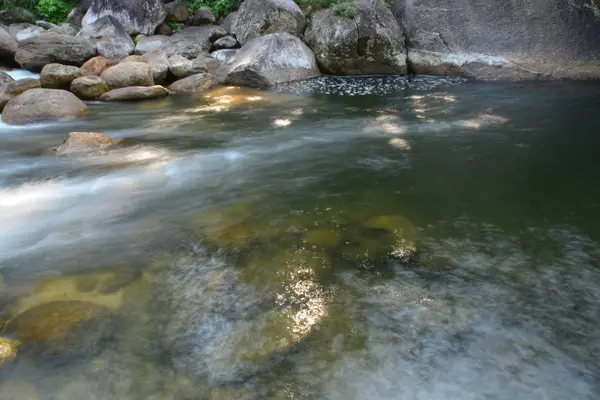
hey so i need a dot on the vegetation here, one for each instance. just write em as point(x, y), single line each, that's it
point(174, 26)
point(218, 7)
point(344, 10)
point(50, 10)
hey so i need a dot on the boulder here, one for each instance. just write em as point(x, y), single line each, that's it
point(370, 43)
point(89, 87)
point(16, 14)
point(194, 83)
point(95, 66)
point(128, 74)
point(34, 53)
point(58, 76)
point(112, 40)
point(225, 57)
point(203, 17)
point(226, 42)
point(61, 328)
point(272, 59)
point(228, 21)
point(159, 65)
point(75, 16)
point(135, 93)
point(181, 67)
point(64, 29)
point(134, 58)
point(164, 29)
point(260, 17)
point(28, 33)
point(502, 39)
point(177, 12)
point(45, 24)
point(136, 16)
point(8, 47)
point(151, 43)
point(80, 142)
point(5, 78)
point(14, 29)
point(10, 90)
point(39, 105)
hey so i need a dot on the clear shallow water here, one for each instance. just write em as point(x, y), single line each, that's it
point(338, 239)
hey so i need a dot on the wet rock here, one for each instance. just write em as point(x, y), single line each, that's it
point(39, 105)
point(58, 76)
point(77, 142)
point(64, 29)
point(128, 74)
point(112, 40)
point(194, 83)
point(136, 16)
point(177, 12)
point(45, 24)
point(75, 16)
point(226, 42)
point(8, 351)
point(18, 390)
point(396, 224)
point(181, 67)
point(164, 29)
point(28, 33)
point(225, 56)
point(135, 93)
point(538, 39)
point(68, 328)
point(260, 17)
point(5, 78)
point(370, 43)
point(12, 89)
point(272, 59)
point(95, 66)
point(8, 46)
point(89, 87)
point(118, 280)
point(34, 53)
point(203, 17)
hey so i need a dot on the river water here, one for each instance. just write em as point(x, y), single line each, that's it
point(343, 238)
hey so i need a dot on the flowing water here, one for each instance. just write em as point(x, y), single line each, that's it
point(373, 238)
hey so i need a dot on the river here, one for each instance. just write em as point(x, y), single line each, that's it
point(342, 238)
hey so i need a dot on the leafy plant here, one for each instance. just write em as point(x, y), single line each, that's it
point(218, 7)
point(344, 10)
point(175, 26)
point(55, 10)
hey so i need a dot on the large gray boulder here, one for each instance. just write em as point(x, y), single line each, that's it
point(112, 40)
point(272, 59)
point(128, 74)
point(58, 76)
point(135, 93)
point(29, 32)
point(371, 43)
point(151, 43)
point(34, 53)
point(64, 29)
point(189, 43)
point(136, 16)
point(260, 17)
point(8, 47)
point(40, 105)
point(502, 39)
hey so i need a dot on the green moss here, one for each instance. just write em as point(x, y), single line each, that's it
point(345, 10)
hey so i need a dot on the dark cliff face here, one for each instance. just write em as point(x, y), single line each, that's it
point(502, 38)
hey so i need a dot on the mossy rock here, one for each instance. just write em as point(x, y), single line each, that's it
point(322, 237)
point(69, 328)
point(397, 224)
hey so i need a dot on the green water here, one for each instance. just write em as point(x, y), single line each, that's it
point(374, 238)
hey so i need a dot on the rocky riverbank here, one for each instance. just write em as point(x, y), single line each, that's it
point(114, 52)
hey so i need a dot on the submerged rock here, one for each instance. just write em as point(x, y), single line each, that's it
point(95, 66)
point(58, 76)
point(77, 142)
point(272, 59)
point(39, 105)
point(135, 93)
point(34, 53)
point(128, 74)
point(18, 390)
point(61, 328)
point(8, 350)
point(260, 17)
point(136, 16)
point(194, 83)
point(89, 87)
point(370, 43)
